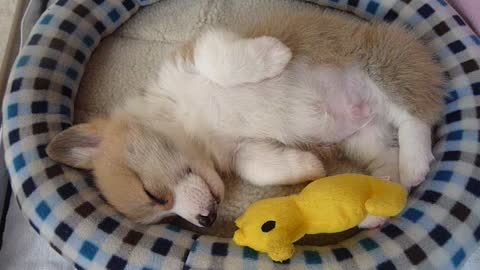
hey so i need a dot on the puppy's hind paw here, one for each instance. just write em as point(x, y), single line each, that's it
point(229, 60)
point(414, 170)
point(269, 57)
point(371, 222)
point(415, 153)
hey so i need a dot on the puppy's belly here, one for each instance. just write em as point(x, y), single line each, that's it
point(307, 104)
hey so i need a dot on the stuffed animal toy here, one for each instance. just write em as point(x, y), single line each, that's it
point(328, 205)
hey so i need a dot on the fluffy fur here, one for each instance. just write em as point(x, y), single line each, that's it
point(255, 101)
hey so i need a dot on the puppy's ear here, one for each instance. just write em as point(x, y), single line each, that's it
point(76, 145)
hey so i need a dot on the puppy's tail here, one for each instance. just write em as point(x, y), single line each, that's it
point(388, 198)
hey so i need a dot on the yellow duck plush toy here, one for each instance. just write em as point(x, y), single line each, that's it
point(328, 205)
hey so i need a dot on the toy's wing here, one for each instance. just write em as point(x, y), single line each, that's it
point(281, 253)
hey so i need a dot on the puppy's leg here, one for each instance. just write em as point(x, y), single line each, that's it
point(228, 59)
point(414, 137)
point(371, 222)
point(263, 163)
point(373, 147)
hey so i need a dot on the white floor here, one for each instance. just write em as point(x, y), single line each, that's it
point(7, 10)
point(21, 239)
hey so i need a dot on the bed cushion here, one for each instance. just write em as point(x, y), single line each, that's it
point(438, 230)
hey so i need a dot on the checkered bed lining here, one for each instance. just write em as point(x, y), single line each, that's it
point(438, 229)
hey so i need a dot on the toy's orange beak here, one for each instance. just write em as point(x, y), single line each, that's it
point(239, 238)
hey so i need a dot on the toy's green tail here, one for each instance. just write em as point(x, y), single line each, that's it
point(388, 198)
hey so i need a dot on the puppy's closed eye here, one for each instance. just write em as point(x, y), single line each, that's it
point(160, 200)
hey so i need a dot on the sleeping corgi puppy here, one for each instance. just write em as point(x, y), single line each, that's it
point(254, 101)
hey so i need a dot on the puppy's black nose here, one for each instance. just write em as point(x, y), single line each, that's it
point(207, 221)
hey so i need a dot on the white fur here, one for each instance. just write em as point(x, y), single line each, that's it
point(295, 107)
point(374, 147)
point(415, 151)
point(191, 199)
point(305, 104)
point(414, 138)
point(263, 163)
point(245, 106)
point(227, 59)
point(371, 222)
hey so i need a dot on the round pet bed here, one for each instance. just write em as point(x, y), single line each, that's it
point(438, 229)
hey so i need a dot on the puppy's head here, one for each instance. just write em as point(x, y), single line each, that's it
point(144, 173)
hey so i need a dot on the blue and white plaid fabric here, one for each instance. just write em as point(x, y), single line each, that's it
point(438, 230)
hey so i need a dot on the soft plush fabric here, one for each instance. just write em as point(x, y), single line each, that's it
point(66, 209)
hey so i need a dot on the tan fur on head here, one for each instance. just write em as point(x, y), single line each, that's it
point(101, 146)
point(122, 155)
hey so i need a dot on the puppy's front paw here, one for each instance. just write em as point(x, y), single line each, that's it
point(270, 57)
point(414, 167)
point(371, 222)
point(311, 167)
point(268, 164)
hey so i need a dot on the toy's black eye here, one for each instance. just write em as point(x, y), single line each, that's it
point(188, 170)
point(268, 226)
